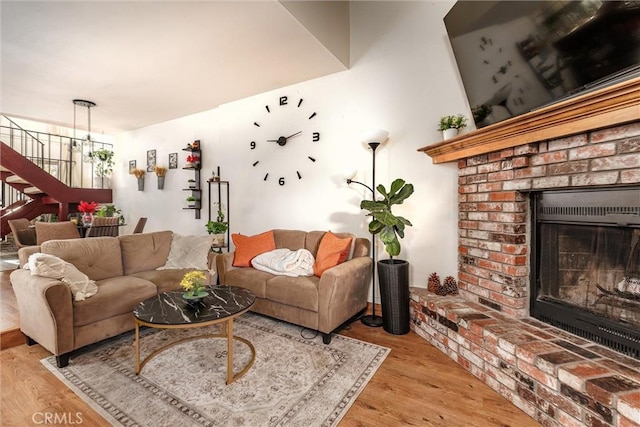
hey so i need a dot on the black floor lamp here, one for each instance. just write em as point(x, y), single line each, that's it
point(373, 139)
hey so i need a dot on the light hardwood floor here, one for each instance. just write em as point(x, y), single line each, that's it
point(415, 386)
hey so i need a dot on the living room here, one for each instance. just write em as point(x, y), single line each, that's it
point(401, 76)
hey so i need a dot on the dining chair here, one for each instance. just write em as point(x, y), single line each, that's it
point(23, 233)
point(140, 225)
point(46, 231)
point(104, 226)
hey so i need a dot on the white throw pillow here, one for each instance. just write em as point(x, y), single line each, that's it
point(189, 252)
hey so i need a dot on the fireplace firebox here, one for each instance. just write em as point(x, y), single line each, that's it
point(586, 264)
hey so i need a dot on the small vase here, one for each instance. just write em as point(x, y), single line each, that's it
point(141, 184)
point(161, 183)
point(87, 219)
point(449, 133)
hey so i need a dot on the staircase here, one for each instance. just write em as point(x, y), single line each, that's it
point(28, 190)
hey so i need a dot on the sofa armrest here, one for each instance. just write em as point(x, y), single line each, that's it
point(342, 292)
point(24, 253)
point(224, 263)
point(46, 310)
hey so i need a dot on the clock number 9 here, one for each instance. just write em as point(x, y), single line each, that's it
point(281, 181)
point(253, 145)
point(316, 136)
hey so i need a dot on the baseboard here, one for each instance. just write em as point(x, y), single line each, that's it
point(11, 338)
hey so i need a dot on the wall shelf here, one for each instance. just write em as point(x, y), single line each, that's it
point(197, 191)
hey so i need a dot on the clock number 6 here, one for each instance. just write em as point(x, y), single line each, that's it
point(316, 136)
point(281, 181)
point(253, 145)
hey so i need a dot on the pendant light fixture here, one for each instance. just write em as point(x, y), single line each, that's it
point(75, 145)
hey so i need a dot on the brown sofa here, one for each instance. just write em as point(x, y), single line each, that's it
point(319, 303)
point(124, 268)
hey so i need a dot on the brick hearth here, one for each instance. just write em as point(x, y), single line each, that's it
point(553, 376)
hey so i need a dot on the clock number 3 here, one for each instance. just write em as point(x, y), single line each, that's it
point(316, 136)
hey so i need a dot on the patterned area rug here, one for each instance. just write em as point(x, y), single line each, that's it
point(296, 380)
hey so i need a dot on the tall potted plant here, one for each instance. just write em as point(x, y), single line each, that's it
point(393, 274)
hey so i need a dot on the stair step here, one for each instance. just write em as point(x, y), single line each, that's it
point(32, 190)
point(15, 179)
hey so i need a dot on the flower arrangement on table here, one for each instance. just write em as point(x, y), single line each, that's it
point(452, 122)
point(192, 284)
point(87, 210)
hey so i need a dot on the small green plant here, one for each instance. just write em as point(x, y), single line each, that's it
point(452, 122)
point(104, 159)
point(389, 226)
point(191, 199)
point(218, 226)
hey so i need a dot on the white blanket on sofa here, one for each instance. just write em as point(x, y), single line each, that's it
point(285, 262)
point(53, 267)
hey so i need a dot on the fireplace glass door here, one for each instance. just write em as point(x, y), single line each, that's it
point(594, 268)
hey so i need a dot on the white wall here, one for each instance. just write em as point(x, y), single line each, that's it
point(402, 79)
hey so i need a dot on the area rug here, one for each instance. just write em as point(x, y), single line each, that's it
point(296, 380)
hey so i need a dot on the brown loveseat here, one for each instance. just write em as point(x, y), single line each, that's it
point(124, 269)
point(319, 303)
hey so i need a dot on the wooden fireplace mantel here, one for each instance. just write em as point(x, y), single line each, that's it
point(613, 105)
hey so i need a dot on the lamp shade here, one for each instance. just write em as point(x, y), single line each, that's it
point(375, 135)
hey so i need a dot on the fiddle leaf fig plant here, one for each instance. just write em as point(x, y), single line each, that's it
point(389, 226)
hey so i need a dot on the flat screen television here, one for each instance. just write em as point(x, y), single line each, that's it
point(518, 56)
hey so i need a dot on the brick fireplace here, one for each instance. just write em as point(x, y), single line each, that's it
point(554, 376)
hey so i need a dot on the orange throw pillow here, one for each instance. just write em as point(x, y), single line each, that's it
point(331, 252)
point(248, 247)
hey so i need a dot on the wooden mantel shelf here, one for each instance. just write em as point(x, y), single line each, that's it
point(613, 105)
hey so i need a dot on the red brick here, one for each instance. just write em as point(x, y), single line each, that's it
point(467, 171)
point(576, 376)
point(468, 224)
point(569, 142)
point(508, 259)
point(490, 187)
point(478, 197)
point(531, 172)
point(619, 132)
point(525, 149)
point(468, 189)
point(514, 249)
point(629, 406)
point(490, 207)
point(550, 157)
point(593, 151)
point(624, 161)
point(630, 176)
point(538, 375)
point(507, 300)
point(593, 178)
point(494, 266)
point(626, 422)
point(462, 163)
point(515, 271)
point(490, 167)
point(503, 196)
point(550, 182)
point(501, 176)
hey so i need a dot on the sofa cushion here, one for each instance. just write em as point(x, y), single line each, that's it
point(46, 231)
point(291, 239)
point(188, 252)
point(247, 247)
point(165, 280)
point(143, 252)
point(301, 292)
point(97, 257)
point(249, 278)
point(116, 296)
point(332, 251)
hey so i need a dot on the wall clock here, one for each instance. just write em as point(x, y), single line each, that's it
point(285, 138)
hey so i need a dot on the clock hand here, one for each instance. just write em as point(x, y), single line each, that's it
point(291, 136)
point(282, 141)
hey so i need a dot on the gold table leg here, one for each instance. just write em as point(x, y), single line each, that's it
point(227, 332)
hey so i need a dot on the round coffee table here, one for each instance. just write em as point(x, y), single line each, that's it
point(170, 311)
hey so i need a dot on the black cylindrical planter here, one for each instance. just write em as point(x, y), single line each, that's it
point(393, 275)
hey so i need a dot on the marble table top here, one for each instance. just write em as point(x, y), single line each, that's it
point(170, 308)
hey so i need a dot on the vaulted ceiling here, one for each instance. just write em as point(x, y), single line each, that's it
point(147, 62)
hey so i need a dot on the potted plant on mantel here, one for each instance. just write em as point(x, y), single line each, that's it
point(393, 274)
point(451, 125)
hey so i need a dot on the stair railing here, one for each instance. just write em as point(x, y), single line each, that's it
point(67, 159)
